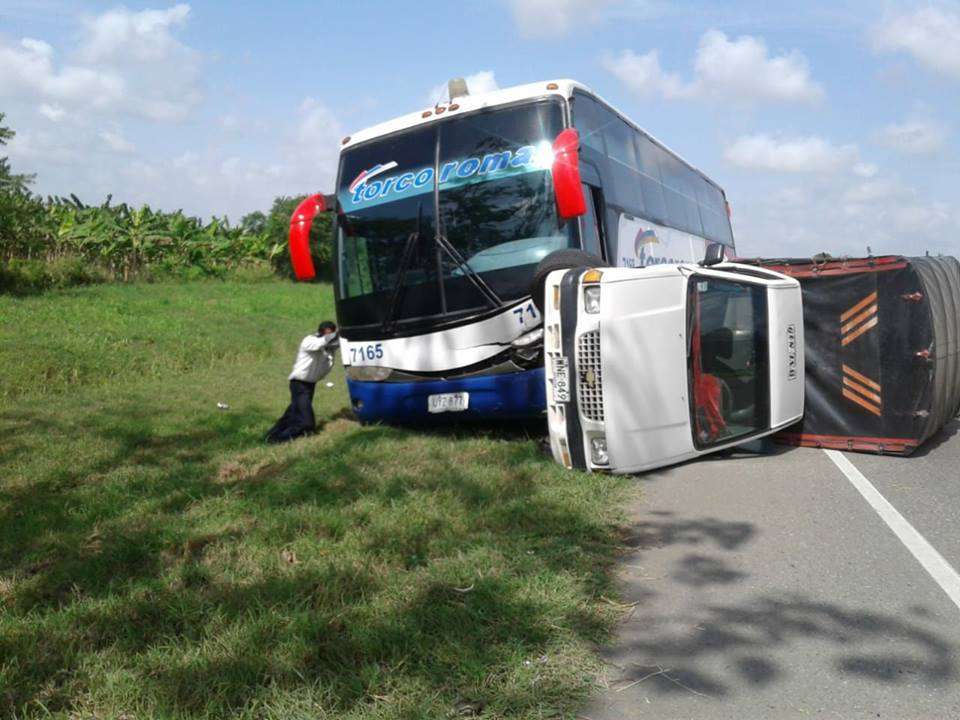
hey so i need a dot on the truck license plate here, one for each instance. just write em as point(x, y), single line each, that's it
point(561, 380)
point(448, 402)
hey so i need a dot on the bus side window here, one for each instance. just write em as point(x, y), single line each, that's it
point(590, 230)
point(713, 213)
point(587, 119)
point(649, 155)
point(680, 194)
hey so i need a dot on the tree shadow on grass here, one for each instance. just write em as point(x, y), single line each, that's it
point(68, 533)
point(437, 638)
point(73, 498)
point(143, 590)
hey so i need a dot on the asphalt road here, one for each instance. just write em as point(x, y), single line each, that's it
point(768, 587)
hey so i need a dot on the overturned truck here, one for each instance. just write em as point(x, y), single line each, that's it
point(882, 350)
point(649, 367)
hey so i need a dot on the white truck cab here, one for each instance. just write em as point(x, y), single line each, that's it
point(647, 367)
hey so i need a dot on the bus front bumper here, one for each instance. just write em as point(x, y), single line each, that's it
point(506, 395)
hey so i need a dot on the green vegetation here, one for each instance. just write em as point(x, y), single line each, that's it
point(60, 242)
point(157, 560)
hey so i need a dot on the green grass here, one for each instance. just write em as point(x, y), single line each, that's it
point(156, 560)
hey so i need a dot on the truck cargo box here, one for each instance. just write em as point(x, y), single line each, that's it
point(882, 353)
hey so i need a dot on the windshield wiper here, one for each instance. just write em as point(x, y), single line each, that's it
point(472, 275)
point(390, 320)
point(442, 242)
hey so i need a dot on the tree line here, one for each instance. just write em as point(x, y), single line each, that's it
point(60, 241)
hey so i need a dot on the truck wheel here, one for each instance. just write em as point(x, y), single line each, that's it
point(559, 260)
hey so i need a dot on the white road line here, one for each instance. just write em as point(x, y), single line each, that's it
point(932, 561)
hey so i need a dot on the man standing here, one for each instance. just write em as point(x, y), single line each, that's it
point(314, 361)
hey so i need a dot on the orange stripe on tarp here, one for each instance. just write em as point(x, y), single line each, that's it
point(848, 442)
point(859, 331)
point(862, 378)
point(862, 390)
point(861, 402)
point(872, 297)
point(872, 310)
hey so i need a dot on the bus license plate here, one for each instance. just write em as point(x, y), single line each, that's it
point(448, 402)
point(561, 380)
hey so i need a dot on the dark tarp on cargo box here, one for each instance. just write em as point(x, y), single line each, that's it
point(882, 351)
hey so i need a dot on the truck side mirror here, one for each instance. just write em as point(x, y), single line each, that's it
point(714, 255)
point(300, 223)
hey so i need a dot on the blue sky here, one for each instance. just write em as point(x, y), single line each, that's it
point(831, 126)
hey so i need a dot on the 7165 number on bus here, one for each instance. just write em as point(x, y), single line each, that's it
point(359, 353)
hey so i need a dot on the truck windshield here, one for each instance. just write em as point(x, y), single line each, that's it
point(480, 183)
point(727, 359)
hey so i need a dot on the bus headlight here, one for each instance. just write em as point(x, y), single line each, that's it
point(598, 451)
point(368, 373)
point(591, 299)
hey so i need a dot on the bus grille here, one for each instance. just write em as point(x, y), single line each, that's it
point(589, 379)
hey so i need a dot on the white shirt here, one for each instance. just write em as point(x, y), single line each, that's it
point(313, 361)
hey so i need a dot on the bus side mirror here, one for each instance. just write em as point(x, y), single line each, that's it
point(300, 223)
point(566, 175)
point(713, 256)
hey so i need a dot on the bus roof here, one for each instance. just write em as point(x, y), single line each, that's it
point(468, 103)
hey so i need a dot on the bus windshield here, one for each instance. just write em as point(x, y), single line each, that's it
point(425, 213)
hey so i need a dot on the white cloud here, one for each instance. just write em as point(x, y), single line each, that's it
point(913, 137)
point(871, 190)
point(842, 215)
point(478, 84)
point(242, 124)
point(54, 113)
point(39, 148)
point(644, 76)
point(926, 218)
point(116, 142)
point(554, 18)
point(163, 74)
point(309, 157)
point(743, 69)
point(317, 124)
point(128, 62)
point(794, 155)
point(185, 160)
point(119, 35)
point(930, 34)
point(97, 159)
point(739, 71)
point(222, 183)
point(28, 70)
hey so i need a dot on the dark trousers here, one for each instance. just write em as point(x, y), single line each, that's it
point(298, 420)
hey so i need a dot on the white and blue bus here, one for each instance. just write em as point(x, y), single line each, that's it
point(444, 217)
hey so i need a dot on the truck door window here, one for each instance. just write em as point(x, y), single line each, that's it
point(727, 359)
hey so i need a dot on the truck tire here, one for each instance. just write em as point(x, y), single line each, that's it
point(559, 260)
